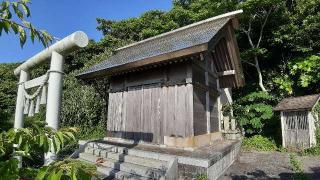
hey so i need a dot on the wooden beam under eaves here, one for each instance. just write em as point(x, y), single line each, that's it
point(227, 73)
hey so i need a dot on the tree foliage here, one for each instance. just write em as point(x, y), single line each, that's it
point(252, 111)
point(13, 19)
point(8, 88)
point(81, 104)
point(67, 169)
point(37, 136)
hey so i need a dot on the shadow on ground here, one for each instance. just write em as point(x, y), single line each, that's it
point(261, 175)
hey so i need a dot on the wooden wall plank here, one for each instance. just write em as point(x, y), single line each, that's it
point(155, 123)
point(199, 109)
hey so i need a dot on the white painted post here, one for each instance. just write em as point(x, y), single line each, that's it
point(18, 118)
point(282, 129)
point(54, 97)
point(54, 90)
point(207, 103)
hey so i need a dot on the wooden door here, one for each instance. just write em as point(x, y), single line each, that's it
point(133, 113)
point(151, 122)
point(296, 129)
point(143, 113)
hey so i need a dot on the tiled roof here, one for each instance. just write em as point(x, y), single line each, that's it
point(182, 38)
point(297, 103)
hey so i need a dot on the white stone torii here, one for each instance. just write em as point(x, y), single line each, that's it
point(55, 55)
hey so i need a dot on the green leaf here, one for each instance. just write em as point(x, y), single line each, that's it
point(73, 174)
point(60, 136)
point(32, 34)
point(25, 9)
point(26, 23)
point(5, 5)
point(70, 135)
point(17, 10)
point(83, 174)
point(20, 140)
point(52, 175)
point(15, 28)
point(42, 173)
point(23, 36)
point(6, 26)
point(56, 143)
point(42, 139)
point(59, 174)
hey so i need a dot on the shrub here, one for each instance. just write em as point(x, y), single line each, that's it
point(202, 177)
point(297, 168)
point(42, 139)
point(314, 151)
point(81, 104)
point(253, 111)
point(259, 143)
point(67, 169)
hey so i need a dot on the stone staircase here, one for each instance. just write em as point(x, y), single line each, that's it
point(119, 162)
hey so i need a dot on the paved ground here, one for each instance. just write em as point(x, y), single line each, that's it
point(275, 165)
point(311, 166)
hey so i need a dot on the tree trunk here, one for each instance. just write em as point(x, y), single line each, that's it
point(259, 74)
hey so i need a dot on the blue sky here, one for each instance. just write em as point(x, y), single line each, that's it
point(62, 17)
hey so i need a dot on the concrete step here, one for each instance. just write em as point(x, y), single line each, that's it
point(129, 151)
point(135, 169)
point(120, 157)
point(109, 173)
point(107, 147)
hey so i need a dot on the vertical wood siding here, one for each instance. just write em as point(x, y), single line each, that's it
point(296, 129)
point(166, 101)
point(199, 108)
point(150, 112)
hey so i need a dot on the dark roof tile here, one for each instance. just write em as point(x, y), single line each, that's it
point(297, 103)
point(185, 37)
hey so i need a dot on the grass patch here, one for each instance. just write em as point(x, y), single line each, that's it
point(314, 151)
point(259, 143)
point(297, 168)
point(202, 177)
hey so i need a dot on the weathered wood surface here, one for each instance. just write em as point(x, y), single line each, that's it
point(150, 112)
point(296, 129)
point(177, 100)
point(199, 107)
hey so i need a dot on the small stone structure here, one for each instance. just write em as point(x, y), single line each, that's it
point(298, 121)
point(49, 85)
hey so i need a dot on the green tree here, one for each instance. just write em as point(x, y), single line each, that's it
point(13, 19)
point(8, 88)
point(254, 20)
point(300, 33)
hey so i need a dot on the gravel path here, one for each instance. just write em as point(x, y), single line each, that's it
point(311, 166)
point(260, 165)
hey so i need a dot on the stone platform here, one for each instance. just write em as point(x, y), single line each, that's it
point(142, 161)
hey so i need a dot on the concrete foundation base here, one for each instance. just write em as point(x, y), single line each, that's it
point(211, 160)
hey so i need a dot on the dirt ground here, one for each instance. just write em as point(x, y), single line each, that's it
point(270, 165)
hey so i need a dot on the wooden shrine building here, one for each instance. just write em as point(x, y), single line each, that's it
point(298, 121)
point(169, 89)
